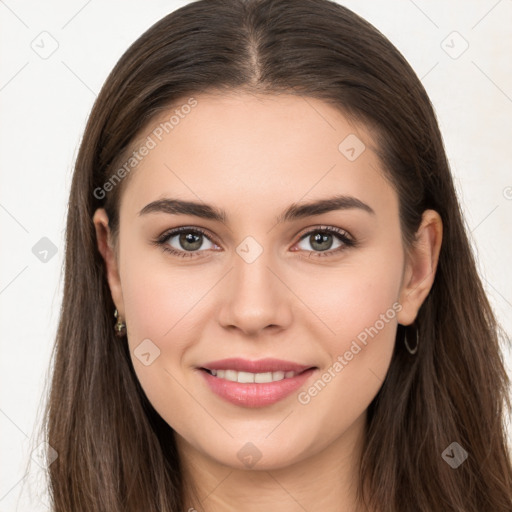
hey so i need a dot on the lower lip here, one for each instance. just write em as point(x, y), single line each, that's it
point(255, 395)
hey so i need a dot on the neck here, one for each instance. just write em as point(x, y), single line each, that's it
point(326, 480)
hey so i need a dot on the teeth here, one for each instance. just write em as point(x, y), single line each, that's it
point(248, 377)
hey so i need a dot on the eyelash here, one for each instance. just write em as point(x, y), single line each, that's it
point(342, 235)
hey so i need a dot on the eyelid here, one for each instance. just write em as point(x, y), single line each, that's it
point(324, 227)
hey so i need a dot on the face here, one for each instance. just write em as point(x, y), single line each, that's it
point(319, 289)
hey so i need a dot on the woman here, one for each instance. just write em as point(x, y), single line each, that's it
point(263, 206)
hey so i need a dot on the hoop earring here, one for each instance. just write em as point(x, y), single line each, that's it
point(120, 327)
point(415, 349)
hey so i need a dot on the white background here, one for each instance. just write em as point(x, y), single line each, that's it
point(44, 105)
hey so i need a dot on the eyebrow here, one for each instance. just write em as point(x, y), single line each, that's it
point(293, 212)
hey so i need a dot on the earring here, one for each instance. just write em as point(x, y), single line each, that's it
point(120, 327)
point(415, 349)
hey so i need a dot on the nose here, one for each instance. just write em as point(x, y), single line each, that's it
point(255, 297)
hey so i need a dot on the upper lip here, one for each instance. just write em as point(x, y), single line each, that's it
point(259, 366)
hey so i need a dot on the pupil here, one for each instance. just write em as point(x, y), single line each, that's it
point(190, 238)
point(319, 239)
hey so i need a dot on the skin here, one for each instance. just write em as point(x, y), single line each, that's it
point(254, 156)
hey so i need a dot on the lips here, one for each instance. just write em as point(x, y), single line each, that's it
point(255, 383)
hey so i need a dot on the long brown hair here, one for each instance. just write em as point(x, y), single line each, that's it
point(115, 453)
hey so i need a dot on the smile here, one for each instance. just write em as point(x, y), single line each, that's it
point(249, 377)
point(247, 389)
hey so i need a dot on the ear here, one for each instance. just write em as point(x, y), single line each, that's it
point(107, 250)
point(420, 267)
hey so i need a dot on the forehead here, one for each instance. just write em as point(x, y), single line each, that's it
point(246, 149)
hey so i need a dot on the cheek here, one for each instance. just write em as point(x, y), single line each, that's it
point(159, 297)
point(354, 296)
point(359, 357)
point(161, 309)
point(359, 304)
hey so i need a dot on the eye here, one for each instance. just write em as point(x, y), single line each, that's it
point(323, 238)
point(185, 241)
point(188, 241)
